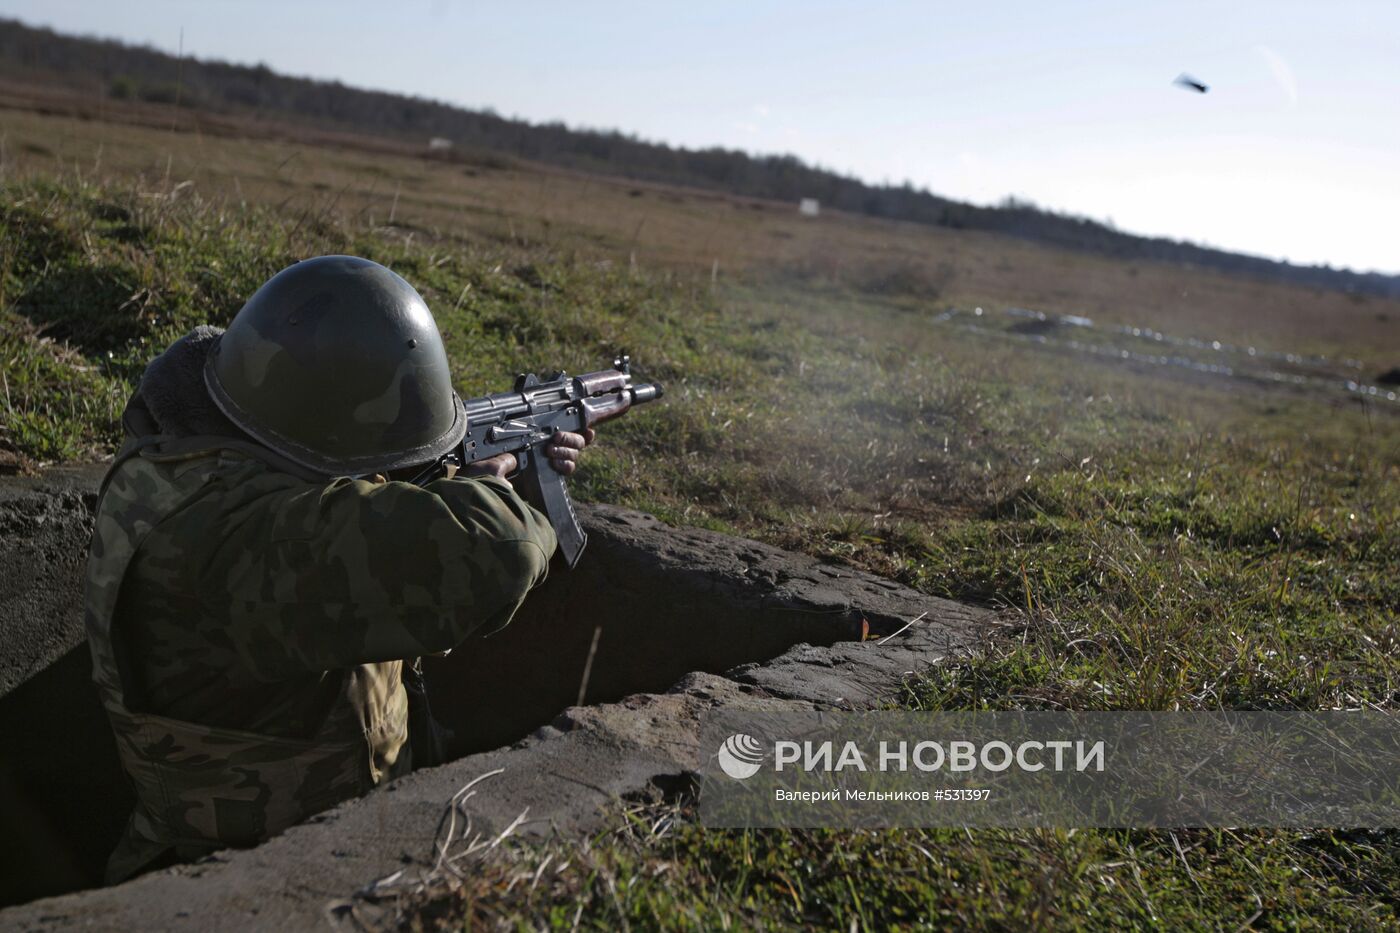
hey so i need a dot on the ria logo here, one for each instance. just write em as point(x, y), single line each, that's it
point(740, 756)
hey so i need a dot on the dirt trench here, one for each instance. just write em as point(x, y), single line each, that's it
point(647, 606)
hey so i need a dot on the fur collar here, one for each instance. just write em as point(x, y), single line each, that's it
point(171, 397)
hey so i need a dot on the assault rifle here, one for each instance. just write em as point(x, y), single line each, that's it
point(523, 420)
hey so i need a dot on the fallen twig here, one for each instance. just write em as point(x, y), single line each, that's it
point(588, 665)
point(906, 625)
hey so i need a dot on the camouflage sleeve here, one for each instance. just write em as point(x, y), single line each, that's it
point(358, 572)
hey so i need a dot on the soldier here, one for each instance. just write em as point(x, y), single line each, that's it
point(260, 585)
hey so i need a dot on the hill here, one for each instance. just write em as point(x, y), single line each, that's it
point(104, 68)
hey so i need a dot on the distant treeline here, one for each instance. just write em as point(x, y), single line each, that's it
point(128, 72)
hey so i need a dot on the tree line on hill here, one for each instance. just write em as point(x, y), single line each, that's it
point(123, 71)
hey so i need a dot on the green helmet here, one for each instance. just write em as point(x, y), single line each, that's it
point(336, 363)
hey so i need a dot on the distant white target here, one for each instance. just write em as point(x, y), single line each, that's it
point(740, 756)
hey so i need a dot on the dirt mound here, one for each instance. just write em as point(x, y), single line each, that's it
point(44, 526)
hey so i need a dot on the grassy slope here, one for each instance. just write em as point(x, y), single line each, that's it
point(1158, 542)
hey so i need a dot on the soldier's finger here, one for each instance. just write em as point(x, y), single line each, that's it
point(566, 467)
point(502, 466)
point(561, 453)
point(569, 439)
point(588, 435)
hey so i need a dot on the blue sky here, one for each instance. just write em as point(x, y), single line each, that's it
point(1294, 152)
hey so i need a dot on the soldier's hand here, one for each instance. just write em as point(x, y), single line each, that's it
point(563, 449)
point(499, 466)
point(562, 452)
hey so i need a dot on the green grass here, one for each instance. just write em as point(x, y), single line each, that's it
point(691, 879)
point(1154, 541)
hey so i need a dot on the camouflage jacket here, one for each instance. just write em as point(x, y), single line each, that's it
point(248, 629)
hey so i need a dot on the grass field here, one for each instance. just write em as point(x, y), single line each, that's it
point(1159, 536)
